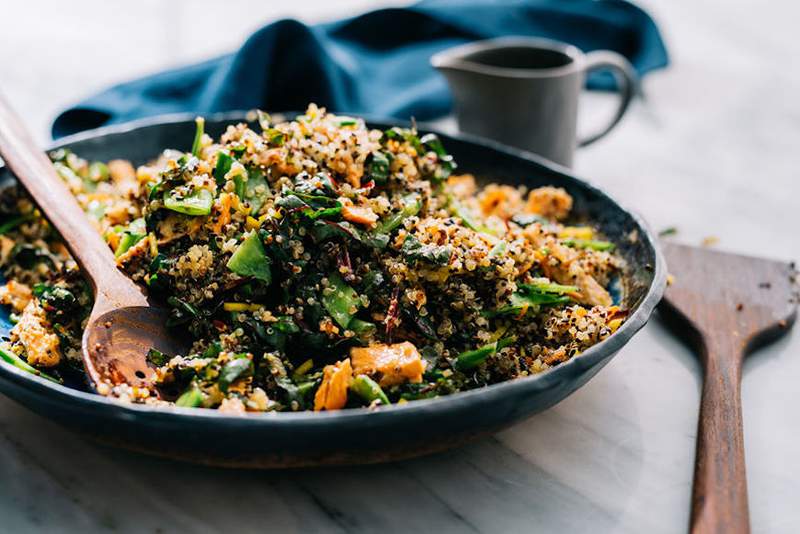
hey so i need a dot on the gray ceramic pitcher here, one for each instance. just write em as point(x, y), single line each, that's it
point(524, 92)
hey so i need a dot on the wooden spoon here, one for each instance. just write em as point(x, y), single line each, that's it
point(122, 326)
point(729, 305)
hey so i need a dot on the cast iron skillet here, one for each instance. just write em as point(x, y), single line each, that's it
point(349, 436)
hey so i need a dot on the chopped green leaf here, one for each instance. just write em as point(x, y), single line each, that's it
point(200, 124)
point(55, 298)
point(467, 217)
point(135, 232)
point(70, 176)
point(198, 202)
point(527, 219)
point(436, 254)
point(535, 295)
point(181, 312)
point(277, 335)
point(372, 280)
point(191, 398)
point(250, 259)
point(670, 230)
point(275, 137)
point(412, 203)
point(256, 190)
point(472, 358)
point(498, 249)
point(341, 302)
point(224, 162)
point(263, 119)
point(98, 171)
point(14, 222)
point(422, 322)
point(126, 242)
point(361, 328)
point(235, 369)
point(446, 163)
point(157, 358)
point(369, 390)
point(311, 206)
point(213, 350)
point(324, 213)
point(319, 184)
point(379, 166)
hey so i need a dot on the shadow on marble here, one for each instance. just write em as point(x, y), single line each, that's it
point(684, 352)
point(678, 346)
point(779, 350)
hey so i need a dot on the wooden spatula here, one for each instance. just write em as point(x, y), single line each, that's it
point(727, 305)
point(122, 326)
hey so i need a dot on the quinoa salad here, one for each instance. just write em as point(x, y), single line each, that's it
point(317, 265)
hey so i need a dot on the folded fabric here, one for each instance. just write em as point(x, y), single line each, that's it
point(376, 63)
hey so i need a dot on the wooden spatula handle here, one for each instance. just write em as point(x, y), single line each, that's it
point(719, 499)
point(37, 174)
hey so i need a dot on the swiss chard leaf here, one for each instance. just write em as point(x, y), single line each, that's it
point(342, 301)
point(446, 163)
point(527, 219)
point(250, 259)
point(533, 296)
point(379, 166)
point(413, 249)
point(235, 369)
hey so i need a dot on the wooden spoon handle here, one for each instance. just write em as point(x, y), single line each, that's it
point(37, 174)
point(719, 497)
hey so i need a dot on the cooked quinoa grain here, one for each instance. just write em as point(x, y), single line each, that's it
point(317, 264)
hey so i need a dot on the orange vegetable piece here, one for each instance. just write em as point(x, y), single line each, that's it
point(500, 200)
point(35, 333)
point(224, 213)
point(16, 295)
point(396, 363)
point(462, 185)
point(332, 393)
point(123, 175)
point(359, 215)
point(551, 202)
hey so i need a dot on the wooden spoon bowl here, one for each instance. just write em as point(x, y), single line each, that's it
point(116, 344)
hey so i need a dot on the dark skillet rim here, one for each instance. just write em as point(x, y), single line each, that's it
point(472, 398)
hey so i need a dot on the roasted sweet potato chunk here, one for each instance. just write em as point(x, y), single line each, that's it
point(332, 393)
point(396, 363)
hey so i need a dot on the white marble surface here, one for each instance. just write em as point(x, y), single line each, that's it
point(714, 151)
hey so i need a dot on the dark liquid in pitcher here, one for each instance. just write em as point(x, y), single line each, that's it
point(520, 57)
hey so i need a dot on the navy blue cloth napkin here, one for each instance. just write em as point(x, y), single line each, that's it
point(376, 63)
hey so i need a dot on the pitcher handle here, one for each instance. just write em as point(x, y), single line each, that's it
point(627, 80)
